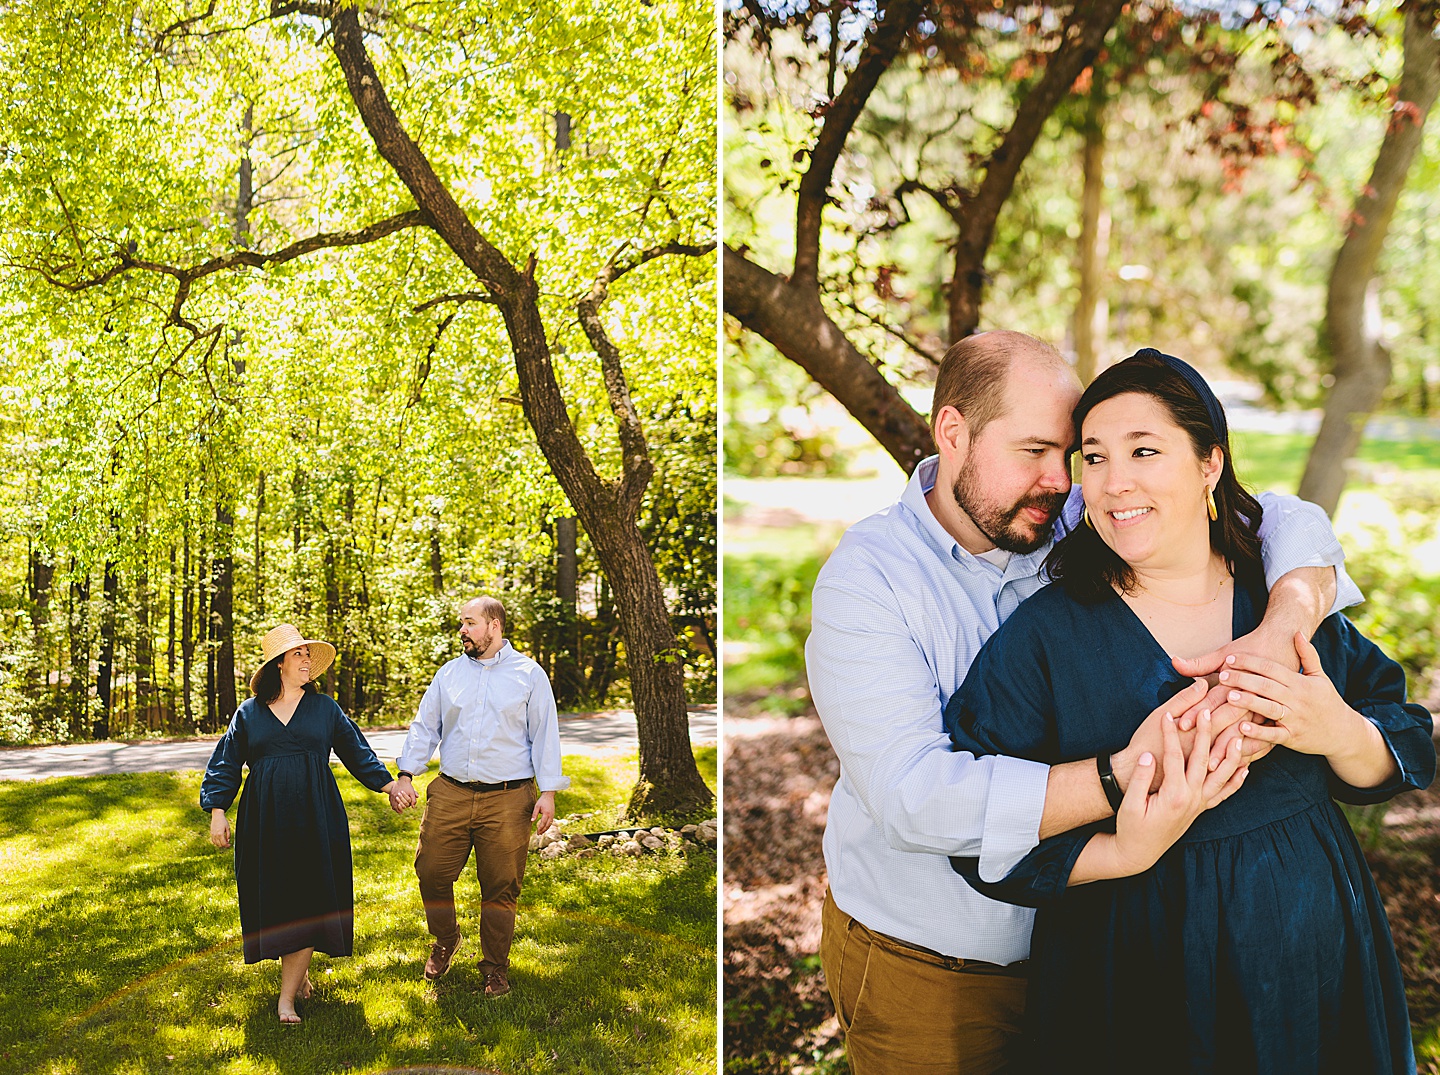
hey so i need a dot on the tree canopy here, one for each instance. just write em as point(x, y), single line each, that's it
point(249, 359)
point(898, 177)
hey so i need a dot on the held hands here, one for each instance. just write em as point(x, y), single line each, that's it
point(1300, 710)
point(1147, 824)
point(1226, 714)
point(1149, 737)
point(219, 828)
point(402, 794)
point(544, 812)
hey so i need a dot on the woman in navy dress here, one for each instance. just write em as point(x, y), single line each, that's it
point(1219, 923)
point(292, 838)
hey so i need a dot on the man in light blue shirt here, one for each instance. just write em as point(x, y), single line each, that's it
point(492, 714)
point(927, 974)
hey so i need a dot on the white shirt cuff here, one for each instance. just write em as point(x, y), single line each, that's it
point(1012, 815)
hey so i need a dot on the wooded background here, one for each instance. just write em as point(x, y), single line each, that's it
point(1249, 185)
point(288, 292)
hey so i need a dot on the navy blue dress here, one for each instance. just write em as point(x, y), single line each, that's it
point(1258, 943)
point(292, 838)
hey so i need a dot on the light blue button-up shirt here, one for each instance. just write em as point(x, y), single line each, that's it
point(900, 610)
point(493, 719)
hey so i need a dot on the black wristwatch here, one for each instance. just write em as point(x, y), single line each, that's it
point(1108, 782)
point(402, 772)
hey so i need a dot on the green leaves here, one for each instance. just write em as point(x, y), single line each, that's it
point(388, 437)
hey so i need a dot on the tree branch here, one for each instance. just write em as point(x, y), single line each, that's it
point(617, 268)
point(185, 277)
point(899, 334)
point(1080, 40)
point(459, 296)
point(790, 316)
point(840, 118)
point(490, 266)
point(634, 451)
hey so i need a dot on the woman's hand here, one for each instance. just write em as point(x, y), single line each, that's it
point(402, 794)
point(1148, 824)
point(219, 828)
point(1304, 711)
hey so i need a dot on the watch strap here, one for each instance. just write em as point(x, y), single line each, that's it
point(1108, 781)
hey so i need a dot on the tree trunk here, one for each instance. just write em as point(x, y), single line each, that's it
point(669, 779)
point(78, 618)
point(170, 708)
point(222, 617)
point(567, 653)
point(1091, 309)
point(791, 318)
point(41, 576)
point(144, 648)
point(1353, 325)
point(437, 561)
point(106, 665)
point(332, 616)
point(259, 548)
point(187, 633)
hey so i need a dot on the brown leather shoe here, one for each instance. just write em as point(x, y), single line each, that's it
point(440, 957)
point(496, 984)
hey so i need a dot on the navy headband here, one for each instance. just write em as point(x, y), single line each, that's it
point(1195, 381)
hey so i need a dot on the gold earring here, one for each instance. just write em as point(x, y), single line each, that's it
point(1210, 504)
point(1085, 517)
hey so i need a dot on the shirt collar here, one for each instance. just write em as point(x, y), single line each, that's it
point(922, 480)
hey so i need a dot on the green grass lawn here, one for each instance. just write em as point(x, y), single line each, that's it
point(1276, 460)
point(120, 947)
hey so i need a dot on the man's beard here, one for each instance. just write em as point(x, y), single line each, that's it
point(1002, 525)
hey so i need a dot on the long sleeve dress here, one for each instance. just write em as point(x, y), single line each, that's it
point(1258, 943)
point(292, 838)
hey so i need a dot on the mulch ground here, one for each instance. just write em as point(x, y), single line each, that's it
point(778, 772)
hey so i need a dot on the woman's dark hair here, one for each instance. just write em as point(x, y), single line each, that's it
point(268, 685)
point(1088, 568)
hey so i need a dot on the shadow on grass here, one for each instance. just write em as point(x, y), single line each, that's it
point(127, 939)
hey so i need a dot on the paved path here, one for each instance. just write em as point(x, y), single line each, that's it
point(611, 732)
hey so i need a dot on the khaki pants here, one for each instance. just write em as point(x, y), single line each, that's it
point(497, 825)
point(904, 1009)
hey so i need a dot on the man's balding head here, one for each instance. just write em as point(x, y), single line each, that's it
point(485, 608)
point(975, 372)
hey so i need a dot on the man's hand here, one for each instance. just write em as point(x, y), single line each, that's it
point(219, 828)
point(544, 811)
point(402, 794)
point(1149, 738)
point(1307, 714)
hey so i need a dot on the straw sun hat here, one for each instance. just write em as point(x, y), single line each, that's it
point(286, 637)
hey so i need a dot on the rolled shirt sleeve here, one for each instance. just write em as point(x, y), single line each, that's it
point(1295, 533)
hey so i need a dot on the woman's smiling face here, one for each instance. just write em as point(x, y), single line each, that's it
point(295, 667)
point(1143, 485)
